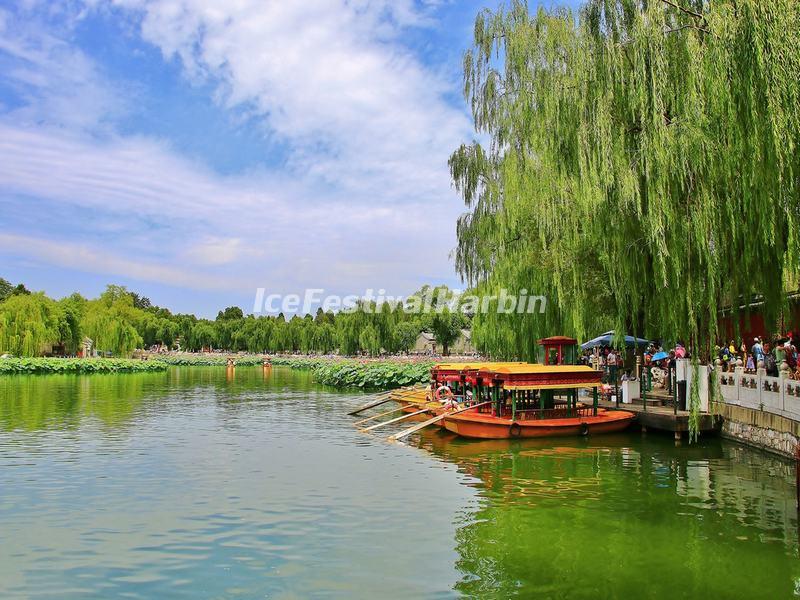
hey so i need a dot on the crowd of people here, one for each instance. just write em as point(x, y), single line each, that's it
point(619, 365)
point(779, 354)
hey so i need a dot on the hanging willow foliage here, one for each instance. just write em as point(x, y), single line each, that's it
point(641, 165)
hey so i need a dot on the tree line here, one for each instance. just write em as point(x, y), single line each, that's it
point(120, 321)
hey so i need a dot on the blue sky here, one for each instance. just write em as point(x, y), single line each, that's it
point(195, 150)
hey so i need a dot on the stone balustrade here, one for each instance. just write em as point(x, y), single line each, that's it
point(758, 391)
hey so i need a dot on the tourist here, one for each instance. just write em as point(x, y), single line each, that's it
point(790, 354)
point(611, 360)
point(732, 349)
point(780, 353)
point(725, 357)
point(671, 369)
point(757, 350)
point(771, 364)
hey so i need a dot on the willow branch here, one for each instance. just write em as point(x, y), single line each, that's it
point(696, 15)
point(687, 27)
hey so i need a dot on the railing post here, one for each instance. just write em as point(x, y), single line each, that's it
point(513, 405)
point(674, 384)
point(594, 401)
point(644, 388)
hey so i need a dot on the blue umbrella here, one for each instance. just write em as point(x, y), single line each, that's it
point(659, 356)
point(607, 339)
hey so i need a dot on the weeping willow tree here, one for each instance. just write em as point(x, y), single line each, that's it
point(639, 166)
point(111, 321)
point(29, 323)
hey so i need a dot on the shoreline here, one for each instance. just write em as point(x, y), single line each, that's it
point(371, 373)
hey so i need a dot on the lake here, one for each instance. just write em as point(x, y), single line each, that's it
point(198, 483)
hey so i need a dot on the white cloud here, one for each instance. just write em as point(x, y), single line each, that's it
point(365, 200)
point(57, 83)
point(215, 251)
point(248, 228)
point(329, 76)
point(83, 257)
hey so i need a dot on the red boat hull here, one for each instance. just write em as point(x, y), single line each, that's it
point(485, 426)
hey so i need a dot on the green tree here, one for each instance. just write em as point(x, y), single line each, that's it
point(348, 329)
point(406, 334)
point(204, 335)
point(70, 332)
point(28, 323)
point(384, 321)
point(369, 341)
point(324, 338)
point(446, 327)
point(141, 302)
point(5, 289)
point(230, 313)
point(112, 321)
point(640, 169)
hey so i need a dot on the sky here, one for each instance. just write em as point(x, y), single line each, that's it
point(196, 150)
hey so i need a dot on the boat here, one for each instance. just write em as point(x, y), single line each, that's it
point(532, 401)
point(516, 399)
point(459, 377)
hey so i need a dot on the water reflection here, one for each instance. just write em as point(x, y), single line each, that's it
point(193, 484)
point(55, 402)
point(41, 402)
point(256, 484)
point(624, 516)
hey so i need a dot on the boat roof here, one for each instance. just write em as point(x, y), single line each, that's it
point(535, 368)
point(524, 376)
point(536, 377)
point(470, 366)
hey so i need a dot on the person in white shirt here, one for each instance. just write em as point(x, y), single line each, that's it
point(611, 361)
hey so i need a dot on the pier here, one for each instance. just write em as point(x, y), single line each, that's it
point(660, 415)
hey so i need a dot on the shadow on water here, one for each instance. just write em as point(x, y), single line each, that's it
point(624, 516)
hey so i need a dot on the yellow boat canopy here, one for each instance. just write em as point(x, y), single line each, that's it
point(554, 386)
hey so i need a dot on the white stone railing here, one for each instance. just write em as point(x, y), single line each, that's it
point(777, 395)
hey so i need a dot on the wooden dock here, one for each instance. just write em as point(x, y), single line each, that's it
point(664, 418)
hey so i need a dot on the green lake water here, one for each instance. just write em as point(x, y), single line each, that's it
point(197, 484)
